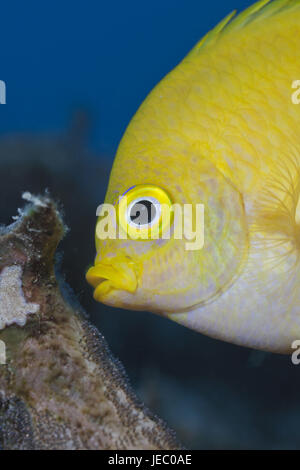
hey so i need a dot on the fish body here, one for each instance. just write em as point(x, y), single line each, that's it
point(220, 130)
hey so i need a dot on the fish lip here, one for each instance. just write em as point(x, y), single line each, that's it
point(110, 274)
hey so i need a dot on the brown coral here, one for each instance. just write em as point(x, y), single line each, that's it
point(60, 387)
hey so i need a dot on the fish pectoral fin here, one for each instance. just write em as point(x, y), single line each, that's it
point(276, 210)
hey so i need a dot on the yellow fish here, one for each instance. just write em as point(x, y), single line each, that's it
point(222, 130)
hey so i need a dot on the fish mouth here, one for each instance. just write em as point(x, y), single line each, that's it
point(110, 274)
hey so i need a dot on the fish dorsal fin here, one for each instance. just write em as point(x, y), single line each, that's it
point(255, 13)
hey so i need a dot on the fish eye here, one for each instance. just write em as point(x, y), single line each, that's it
point(144, 212)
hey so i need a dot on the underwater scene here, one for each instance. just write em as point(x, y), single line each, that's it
point(150, 226)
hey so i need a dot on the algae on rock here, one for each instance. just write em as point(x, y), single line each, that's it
point(60, 387)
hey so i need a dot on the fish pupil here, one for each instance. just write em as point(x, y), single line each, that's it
point(143, 212)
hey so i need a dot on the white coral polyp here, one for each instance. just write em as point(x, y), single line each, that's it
point(13, 306)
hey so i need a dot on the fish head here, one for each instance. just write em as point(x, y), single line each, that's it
point(169, 237)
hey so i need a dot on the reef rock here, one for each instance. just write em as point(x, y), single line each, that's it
point(60, 387)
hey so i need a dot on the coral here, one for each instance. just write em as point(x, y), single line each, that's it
point(60, 388)
point(13, 305)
